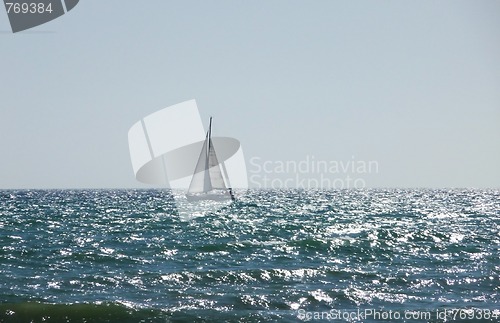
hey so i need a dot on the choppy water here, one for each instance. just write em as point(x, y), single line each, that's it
point(124, 255)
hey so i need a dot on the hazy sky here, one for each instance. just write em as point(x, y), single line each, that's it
point(414, 85)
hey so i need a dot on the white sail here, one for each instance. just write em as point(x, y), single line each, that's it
point(207, 178)
point(216, 179)
point(201, 181)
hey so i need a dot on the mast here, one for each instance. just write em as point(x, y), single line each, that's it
point(210, 132)
point(209, 142)
point(207, 185)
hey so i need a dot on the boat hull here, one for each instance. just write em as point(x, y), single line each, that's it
point(210, 196)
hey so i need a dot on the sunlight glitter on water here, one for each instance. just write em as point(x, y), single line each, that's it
point(265, 257)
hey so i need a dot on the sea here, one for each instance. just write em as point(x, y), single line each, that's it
point(368, 255)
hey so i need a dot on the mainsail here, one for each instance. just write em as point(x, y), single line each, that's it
point(207, 181)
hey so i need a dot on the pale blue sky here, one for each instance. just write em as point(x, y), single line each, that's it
point(414, 85)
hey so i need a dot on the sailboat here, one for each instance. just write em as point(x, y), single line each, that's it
point(207, 182)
